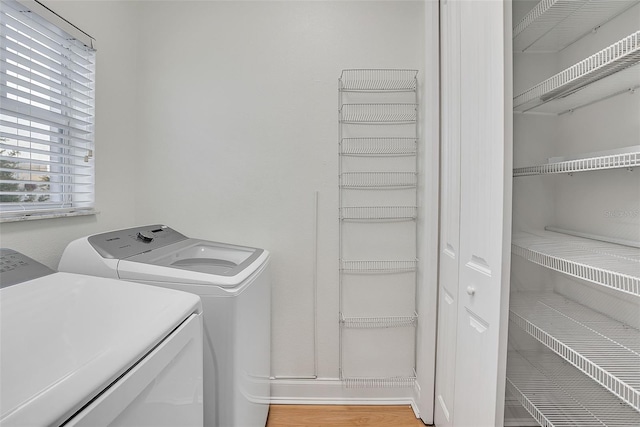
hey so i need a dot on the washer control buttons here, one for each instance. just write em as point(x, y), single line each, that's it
point(11, 262)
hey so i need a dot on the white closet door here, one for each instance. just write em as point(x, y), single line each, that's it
point(474, 279)
point(485, 212)
point(449, 212)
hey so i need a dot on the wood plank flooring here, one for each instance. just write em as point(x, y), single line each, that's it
point(342, 416)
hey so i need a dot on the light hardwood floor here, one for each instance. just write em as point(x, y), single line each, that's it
point(342, 416)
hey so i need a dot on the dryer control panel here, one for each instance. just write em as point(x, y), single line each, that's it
point(125, 243)
point(17, 268)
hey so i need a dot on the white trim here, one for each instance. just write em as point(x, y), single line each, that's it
point(331, 391)
point(416, 410)
point(48, 215)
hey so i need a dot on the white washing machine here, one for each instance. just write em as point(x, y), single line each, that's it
point(234, 285)
point(78, 350)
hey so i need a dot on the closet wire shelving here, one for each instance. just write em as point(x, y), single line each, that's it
point(613, 161)
point(376, 115)
point(602, 348)
point(591, 376)
point(611, 71)
point(553, 25)
point(557, 394)
point(606, 264)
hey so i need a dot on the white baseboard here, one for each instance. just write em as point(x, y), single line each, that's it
point(416, 411)
point(331, 391)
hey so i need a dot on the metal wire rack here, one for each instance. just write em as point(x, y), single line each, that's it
point(378, 179)
point(398, 113)
point(378, 322)
point(612, 60)
point(378, 266)
point(379, 382)
point(556, 394)
point(606, 264)
point(378, 80)
point(379, 213)
point(615, 161)
point(378, 146)
point(380, 121)
point(602, 348)
point(553, 25)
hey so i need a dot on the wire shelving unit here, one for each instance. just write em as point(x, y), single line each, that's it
point(606, 264)
point(379, 322)
point(612, 161)
point(378, 80)
point(378, 180)
point(611, 71)
point(586, 369)
point(377, 117)
point(372, 335)
point(378, 266)
point(602, 348)
point(378, 213)
point(379, 382)
point(555, 24)
point(391, 113)
point(557, 394)
point(378, 146)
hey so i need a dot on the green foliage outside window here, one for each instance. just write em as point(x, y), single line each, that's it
point(7, 174)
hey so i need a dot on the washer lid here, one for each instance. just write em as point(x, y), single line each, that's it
point(195, 261)
point(66, 337)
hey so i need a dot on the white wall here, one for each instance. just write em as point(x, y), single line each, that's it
point(113, 25)
point(238, 131)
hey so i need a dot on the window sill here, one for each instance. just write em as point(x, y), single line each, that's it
point(47, 215)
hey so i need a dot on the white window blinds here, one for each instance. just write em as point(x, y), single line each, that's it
point(46, 115)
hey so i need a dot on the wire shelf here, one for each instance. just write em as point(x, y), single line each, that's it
point(614, 59)
point(379, 113)
point(607, 264)
point(602, 348)
point(378, 180)
point(556, 394)
point(378, 322)
point(372, 267)
point(378, 80)
point(615, 161)
point(378, 146)
point(379, 382)
point(379, 213)
point(553, 25)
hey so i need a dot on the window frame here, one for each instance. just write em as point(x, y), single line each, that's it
point(48, 88)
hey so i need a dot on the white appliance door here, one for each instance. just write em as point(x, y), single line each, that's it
point(163, 389)
point(66, 337)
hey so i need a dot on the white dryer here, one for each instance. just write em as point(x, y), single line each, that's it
point(78, 350)
point(234, 285)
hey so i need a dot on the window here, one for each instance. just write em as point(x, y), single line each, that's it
point(47, 71)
